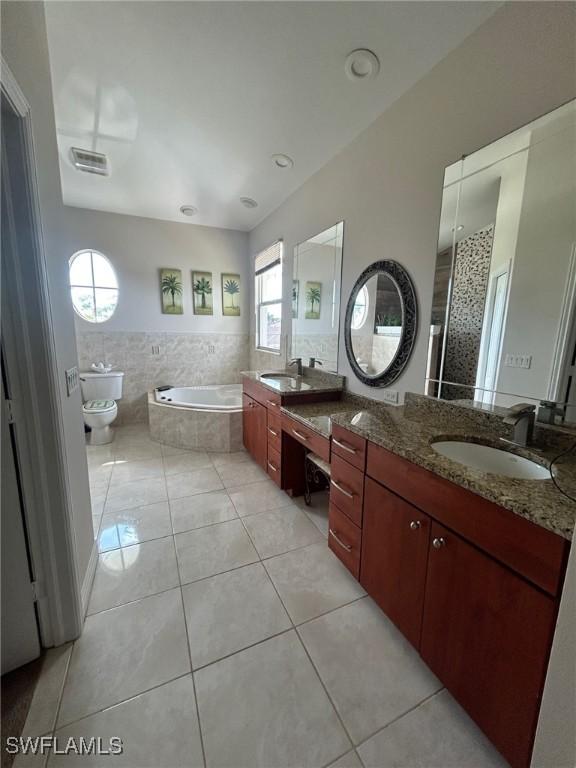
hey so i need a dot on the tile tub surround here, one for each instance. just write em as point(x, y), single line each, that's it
point(408, 431)
point(169, 668)
point(192, 429)
point(182, 360)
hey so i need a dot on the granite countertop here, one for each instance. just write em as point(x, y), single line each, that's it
point(409, 435)
point(298, 385)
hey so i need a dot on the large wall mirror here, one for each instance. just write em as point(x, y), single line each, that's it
point(503, 323)
point(381, 323)
point(316, 297)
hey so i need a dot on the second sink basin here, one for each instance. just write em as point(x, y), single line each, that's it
point(487, 459)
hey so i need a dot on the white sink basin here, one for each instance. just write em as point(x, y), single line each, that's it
point(487, 459)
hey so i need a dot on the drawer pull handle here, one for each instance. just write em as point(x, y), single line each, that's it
point(300, 435)
point(415, 524)
point(438, 543)
point(342, 490)
point(272, 403)
point(272, 467)
point(344, 446)
point(272, 432)
point(347, 547)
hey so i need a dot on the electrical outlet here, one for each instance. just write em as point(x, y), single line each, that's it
point(72, 380)
point(155, 349)
point(518, 361)
point(211, 349)
point(390, 396)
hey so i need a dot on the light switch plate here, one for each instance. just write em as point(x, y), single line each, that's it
point(72, 380)
point(390, 396)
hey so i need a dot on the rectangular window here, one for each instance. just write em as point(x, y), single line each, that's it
point(268, 297)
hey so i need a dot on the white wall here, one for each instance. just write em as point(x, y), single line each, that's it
point(387, 184)
point(25, 48)
point(139, 247)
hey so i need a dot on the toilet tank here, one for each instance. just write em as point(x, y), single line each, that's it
point(101, 386)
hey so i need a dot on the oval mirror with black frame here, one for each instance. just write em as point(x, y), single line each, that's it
point(381, 323)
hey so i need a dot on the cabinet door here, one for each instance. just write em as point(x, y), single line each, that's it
point(394, 553)
point(247, 423)
point(486, 634)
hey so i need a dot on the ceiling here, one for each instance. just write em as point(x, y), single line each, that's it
point(189, 100)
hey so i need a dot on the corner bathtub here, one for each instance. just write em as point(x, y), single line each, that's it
point(197, 418)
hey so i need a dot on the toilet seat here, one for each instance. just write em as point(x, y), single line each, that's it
point(99, 406)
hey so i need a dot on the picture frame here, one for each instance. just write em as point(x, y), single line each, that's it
point(231, 294)
point(202, 293)
point(171, 290)
point(313, 298)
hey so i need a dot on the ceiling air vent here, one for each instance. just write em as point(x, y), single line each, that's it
point(89, 162)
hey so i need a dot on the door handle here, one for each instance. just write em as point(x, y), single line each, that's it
point(272, 432)
point(347, 547)
point(342, 490)
point(439, 542)
point(344, 446)
point(415, 524)
point(300, 435)
point(272, 467)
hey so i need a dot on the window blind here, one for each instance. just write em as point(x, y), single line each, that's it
point(268, 258)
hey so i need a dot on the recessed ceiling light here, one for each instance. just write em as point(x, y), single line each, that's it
point(362, 64)
point(189, 210)
point(283, 161)
point(248, 202)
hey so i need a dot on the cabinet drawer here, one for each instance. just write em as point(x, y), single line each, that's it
point(347, 489)
point(274, 465)
point(307, 437)
point(344, 539)
point(274, 431)
point(262, 394)
point(349, 446)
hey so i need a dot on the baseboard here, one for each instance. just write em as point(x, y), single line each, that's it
point(88, 579)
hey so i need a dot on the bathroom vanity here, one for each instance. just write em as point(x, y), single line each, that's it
point(468, 567)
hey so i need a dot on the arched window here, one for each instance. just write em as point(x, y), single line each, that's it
point(93, 286)
point(360, 311)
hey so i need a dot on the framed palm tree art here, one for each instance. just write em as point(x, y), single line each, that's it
point(202, 294)
point(313, 299)
point(171, 290)
point(230, 295)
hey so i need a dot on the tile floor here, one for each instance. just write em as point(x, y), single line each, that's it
point(222, 632)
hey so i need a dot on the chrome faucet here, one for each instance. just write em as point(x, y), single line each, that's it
point(521, 416)
point(313, 362)
point(548, 411)
point(298, 362)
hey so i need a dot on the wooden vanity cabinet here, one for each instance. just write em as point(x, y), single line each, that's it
point(395, 537)
point(474, 587)
point(254, 425)
point(487, 633)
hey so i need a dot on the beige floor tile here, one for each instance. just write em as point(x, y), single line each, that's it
point(235, 475)
point(138, 493)
point(281, 530)
point(186, 462)
point(128, 471)
point(258, 497)
point(202, 509)
point(349, 760)
point(265, 707)
point(370, 670)
point(123, 652)
point(133, 526)
point(312, 581)
point(159, 729)
point(214, 549)
point(225, 459)
point(131, 573)
point(189, 483)
point(437, 734)
point(231, 611)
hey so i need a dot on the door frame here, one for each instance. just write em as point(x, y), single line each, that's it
point(30, 356)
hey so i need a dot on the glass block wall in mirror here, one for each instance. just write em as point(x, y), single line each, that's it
point(316, 297)
point(503, 324)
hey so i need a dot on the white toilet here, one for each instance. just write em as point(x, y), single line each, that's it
point(99, 394)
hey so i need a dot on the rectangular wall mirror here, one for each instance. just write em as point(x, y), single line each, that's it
point(503, 325)
point(316, 297)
